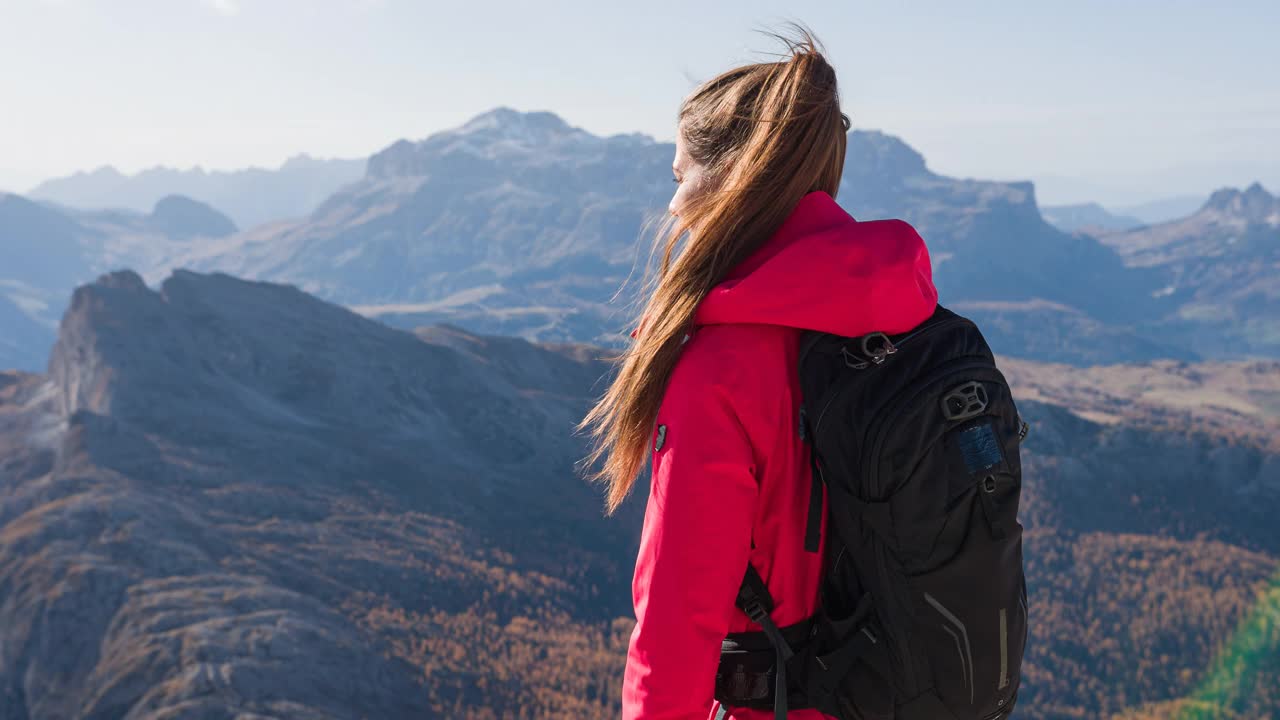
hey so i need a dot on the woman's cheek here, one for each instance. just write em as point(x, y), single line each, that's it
point(679, 199)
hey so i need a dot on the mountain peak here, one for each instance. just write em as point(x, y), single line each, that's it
point(514, 124)
point(501, 132)
point(119, 338)
point(398, 158)
point(299, 161)
point(1253, 204)
point(505, 127)
point(876, 154)
point(102, 172)
point(181, 217)
point(122, 280)
point(307, 161)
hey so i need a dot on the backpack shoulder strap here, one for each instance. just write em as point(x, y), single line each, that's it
point(754, 600)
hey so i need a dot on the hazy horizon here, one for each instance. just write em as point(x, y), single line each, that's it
point(1118, 105)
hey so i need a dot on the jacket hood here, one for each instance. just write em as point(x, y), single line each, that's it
point(823, 270)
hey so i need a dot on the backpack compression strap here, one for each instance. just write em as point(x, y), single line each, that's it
point(754, 600)
point(813, 526)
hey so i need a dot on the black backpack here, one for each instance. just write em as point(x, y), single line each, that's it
point(924, 609)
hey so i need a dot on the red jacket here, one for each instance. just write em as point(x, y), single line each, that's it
point(729, 467)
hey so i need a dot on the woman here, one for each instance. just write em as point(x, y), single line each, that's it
point(708, 390)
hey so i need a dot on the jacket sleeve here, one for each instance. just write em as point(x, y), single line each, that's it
point(694, 547)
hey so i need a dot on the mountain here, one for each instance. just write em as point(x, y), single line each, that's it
point(48, 249)
point(183, 218)
point(1163, 210)
point(1061, 333)
point(988, 239)
point(251, 196)
point(1057, 296)
point(124, 238)
point(24, 343)
point(518, 214)
point(519, 223)
point(42, 246)
point(1069, 218)
point(228, 498)
point(1219, 267)
point(41, 256)
point(1153, 570)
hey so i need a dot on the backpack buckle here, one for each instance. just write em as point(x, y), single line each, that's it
point(878, 354)
point(755, 610)
point(871, 355)
point(852, 360)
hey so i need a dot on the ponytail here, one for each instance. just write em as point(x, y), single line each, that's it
point(768, 134)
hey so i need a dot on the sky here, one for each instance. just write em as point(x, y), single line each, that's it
point(1118, 102)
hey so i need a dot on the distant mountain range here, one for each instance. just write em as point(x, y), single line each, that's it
point(1087, 216)
point(250, 197)
point(515, 222)
point(229, 498)
point(520, 224)
point(1220, 268)
point(1162, 210)
point(47, 249)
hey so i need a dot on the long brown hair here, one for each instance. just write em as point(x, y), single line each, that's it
point(767, 134)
